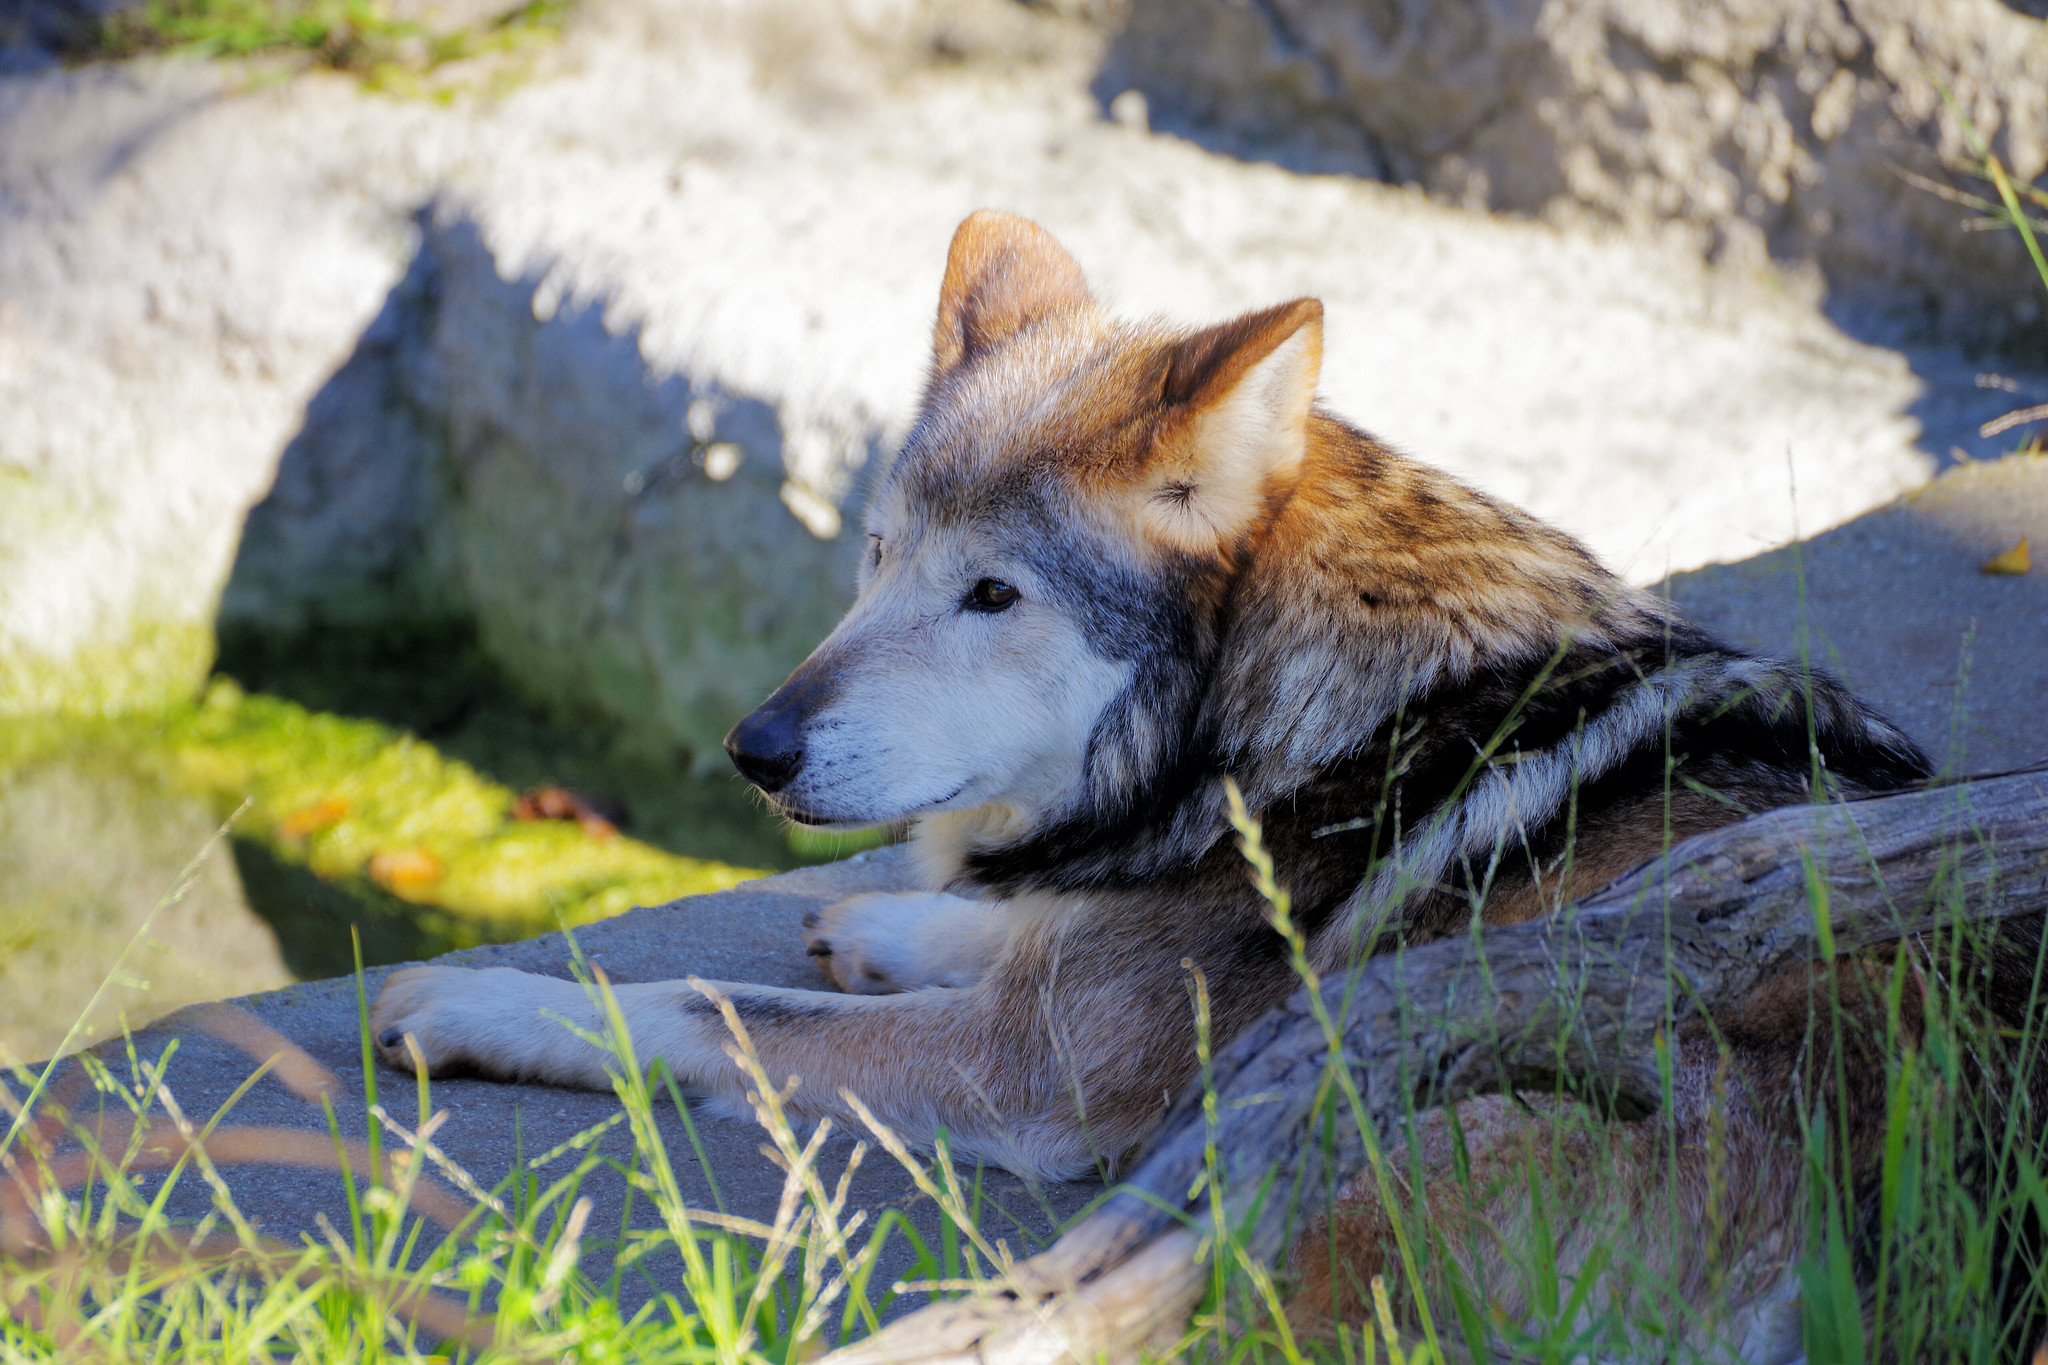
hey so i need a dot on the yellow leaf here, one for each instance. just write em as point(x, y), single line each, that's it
point(406, 872)
point(2017, 560)
point(312, 819)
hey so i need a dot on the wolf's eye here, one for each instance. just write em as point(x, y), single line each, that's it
point(991, 594)
point(874, 548)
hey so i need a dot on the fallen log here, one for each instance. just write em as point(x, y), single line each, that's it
point(1573, 1000)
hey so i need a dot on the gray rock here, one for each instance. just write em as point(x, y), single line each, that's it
point(622, 540)
point(183, 268)
point(1787, 127)
point(34, 33)
point(345, 535)
point(492, 359)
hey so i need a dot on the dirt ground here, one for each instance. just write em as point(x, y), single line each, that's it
point(1894, 601)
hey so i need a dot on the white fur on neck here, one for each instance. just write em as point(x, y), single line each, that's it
point(940, 843)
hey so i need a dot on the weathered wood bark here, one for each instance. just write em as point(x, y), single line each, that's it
point(1575, 999)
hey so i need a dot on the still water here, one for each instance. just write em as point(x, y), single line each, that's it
point(90, 848)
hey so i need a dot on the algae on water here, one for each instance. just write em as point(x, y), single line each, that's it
point(363, 806)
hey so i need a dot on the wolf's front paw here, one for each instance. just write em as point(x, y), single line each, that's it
point(462, 1021)
point(884, 942)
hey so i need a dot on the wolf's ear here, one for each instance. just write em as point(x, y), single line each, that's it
point(1236, 402)
point(1002, 274)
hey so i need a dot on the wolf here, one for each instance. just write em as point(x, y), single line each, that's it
point(1116, 563)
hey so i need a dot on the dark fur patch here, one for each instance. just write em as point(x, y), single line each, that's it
point(762, 1010)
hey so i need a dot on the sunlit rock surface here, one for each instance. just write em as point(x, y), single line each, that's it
point(604, 360)
point(490, 1128)
point(1805, 130)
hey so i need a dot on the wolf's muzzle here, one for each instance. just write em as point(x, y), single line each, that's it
point(768, 746)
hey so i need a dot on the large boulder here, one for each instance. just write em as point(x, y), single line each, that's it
point(599, 360)
point(1806, 129)
point(179, 270)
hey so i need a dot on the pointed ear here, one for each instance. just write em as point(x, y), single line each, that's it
point(1237, 400)
point(1002, 274)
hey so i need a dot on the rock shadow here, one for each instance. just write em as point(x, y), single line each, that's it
point(501, 528)
point(1896, 603)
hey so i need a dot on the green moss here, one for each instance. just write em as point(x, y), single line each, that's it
point(385, 816)
point(358, 36)
point(432, 679)
point(160, 665)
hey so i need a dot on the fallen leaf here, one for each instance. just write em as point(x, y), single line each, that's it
point(559, 803)
point(546, 803)
point(312, 819)
point(405, 872)
point(2017, 560)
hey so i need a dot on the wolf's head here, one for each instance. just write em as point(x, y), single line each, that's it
point(1047, 555)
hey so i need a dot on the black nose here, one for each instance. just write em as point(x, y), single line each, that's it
point(768, 747)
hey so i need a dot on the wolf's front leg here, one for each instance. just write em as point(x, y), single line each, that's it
point(515, 1026)
point(980, 1063)
point(889, 941)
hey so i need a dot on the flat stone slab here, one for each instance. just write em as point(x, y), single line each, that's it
point(750, 933)
point(1897, 604)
